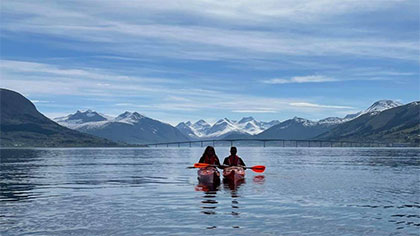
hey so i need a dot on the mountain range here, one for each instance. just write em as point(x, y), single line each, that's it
point(128, 127)
point(399, 124)
point(295, 128)
point(21, 125)
point(134, 128)
point(224, 128)
point(300, 128)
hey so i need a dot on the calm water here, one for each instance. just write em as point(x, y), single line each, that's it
point(150, 192)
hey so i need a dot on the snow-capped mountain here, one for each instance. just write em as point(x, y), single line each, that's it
point(246, 126)
point(380, 106)
point(332, 120)
point(375, 108)
point(200, 127)
point(81, 118)
point(395, 125)
point(221, 127)
point(300, 128)
point(129, 118)
point(185, 128)
point(128, 127)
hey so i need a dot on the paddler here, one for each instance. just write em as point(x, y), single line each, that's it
point(209, 156)
point(233, 159)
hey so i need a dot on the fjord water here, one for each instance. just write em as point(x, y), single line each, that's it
point(149, 191)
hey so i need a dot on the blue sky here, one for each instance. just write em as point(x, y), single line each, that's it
point(186, 60)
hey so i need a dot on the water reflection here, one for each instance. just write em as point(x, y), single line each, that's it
point(259, 179)
point(209, 203)
point(233, 187)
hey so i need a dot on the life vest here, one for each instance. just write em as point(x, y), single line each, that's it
point(210, 160)
point(233, 160)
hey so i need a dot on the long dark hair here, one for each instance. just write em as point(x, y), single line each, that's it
point(209, 152)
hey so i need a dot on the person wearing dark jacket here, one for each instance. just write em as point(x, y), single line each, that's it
point(233, 159)
point(209, 156)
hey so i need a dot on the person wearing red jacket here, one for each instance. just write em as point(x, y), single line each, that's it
point(233, 159)
point(209, 156)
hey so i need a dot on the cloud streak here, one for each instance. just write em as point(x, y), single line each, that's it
point(301, 79)
point(312, 105)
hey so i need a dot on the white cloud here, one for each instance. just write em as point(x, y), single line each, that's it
point(39, 101)
point(313, 105)
point(301, 79)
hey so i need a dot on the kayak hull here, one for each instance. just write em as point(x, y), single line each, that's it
point(208, 176)
point(234, 174)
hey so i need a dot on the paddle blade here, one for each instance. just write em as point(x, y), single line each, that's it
point(258, 169)
point(201, 165)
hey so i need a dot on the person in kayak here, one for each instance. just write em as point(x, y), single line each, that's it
point(233, 159)
point(209, 156)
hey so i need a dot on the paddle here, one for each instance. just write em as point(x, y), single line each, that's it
point(258, 169)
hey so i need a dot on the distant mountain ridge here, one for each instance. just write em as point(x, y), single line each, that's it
point(399, 124)
point(81, 118)
point(247, 126)
point(21, 125)
point(300, 128)
point(134, 128)
point(128, 127)
point(295, 128)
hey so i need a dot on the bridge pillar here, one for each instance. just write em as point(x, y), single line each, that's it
point(190, 144)
point(296, 142)
point(264, 143)
point(231, 143)
point(167, 145)
point(283, 143)
point(179, 144)
point(201, 143)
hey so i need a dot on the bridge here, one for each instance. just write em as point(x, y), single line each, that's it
point(274, 143)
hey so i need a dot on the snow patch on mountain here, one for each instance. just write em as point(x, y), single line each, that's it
point(129, 118)
point(91, 119)
point(375, 108)
point(381, 105)
point(82, 118)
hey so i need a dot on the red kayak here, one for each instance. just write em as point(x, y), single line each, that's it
point(208, 175)
point(234, 173)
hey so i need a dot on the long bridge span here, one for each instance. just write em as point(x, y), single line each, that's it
point(273, 143)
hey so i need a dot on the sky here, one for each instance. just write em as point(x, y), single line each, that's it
point(189, 60)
